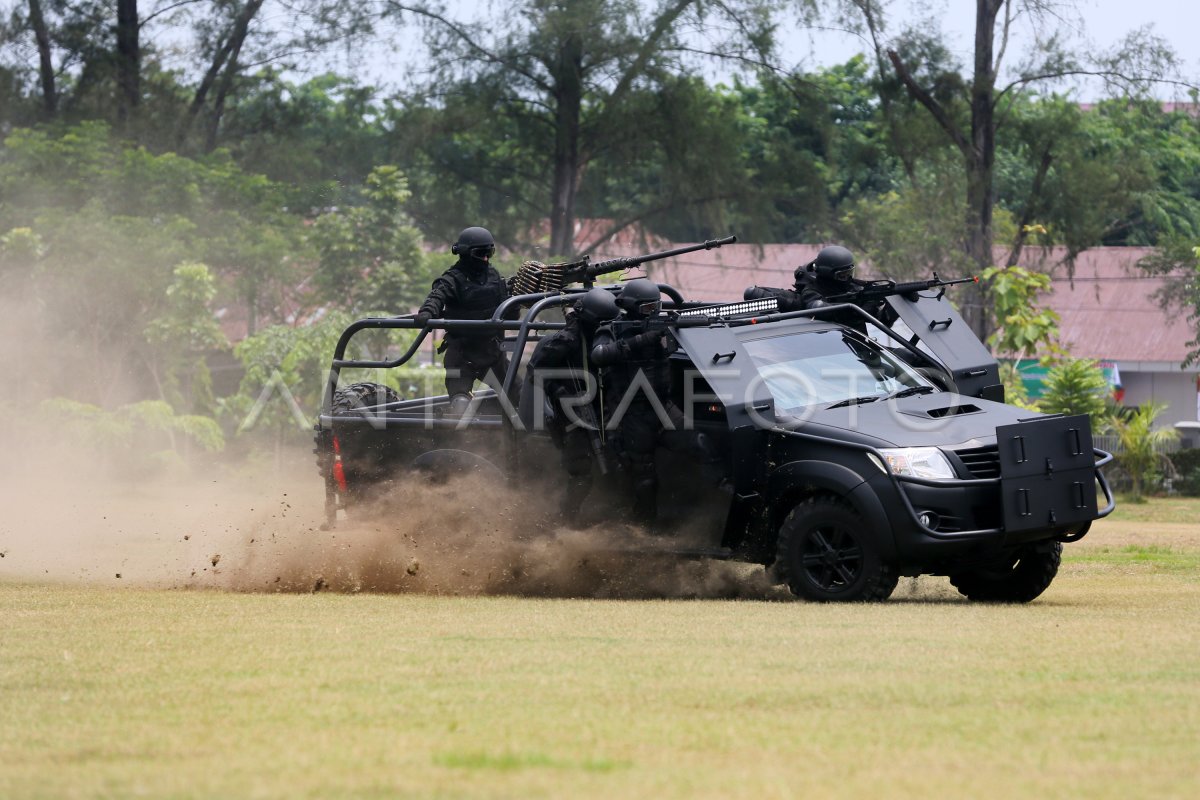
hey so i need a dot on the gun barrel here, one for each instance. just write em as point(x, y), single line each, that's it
point(629, 262)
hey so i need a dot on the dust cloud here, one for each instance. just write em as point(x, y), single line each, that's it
point(257, 528)
point(78, 507)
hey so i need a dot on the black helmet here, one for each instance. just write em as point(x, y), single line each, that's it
point(640, 298)
point(832, 263)
point(596, 306)
point(475, 243)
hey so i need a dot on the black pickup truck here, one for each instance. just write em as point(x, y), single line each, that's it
point(839, 460)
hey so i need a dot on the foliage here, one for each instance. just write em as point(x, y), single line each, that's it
point(1077, 386)
point(1179, 260)
point(903, 231)
point(538, 92)
point(1187, 464)
point(1022, 328)
point(182, 335)
point(286, 369)
point(131, 439)
point(1015, 393)
point(1137, 440)
point(116, 219)
point(369, 255)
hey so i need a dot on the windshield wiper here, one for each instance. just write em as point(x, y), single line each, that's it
point(910, 391)
point(854, 401)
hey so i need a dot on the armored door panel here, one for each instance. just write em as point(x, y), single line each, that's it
point(726, 366)
point(942, 329)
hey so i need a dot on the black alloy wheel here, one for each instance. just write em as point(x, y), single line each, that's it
point(827, 554)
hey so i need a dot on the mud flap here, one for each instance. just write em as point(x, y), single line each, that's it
point(1047, 473)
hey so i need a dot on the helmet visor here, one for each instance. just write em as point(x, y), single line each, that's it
point(482, 252)
point(649, 307)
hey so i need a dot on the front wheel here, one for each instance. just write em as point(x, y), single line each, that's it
point(1018, 578)
point(826, 554)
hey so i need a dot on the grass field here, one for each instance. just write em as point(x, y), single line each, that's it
point(1091, 691)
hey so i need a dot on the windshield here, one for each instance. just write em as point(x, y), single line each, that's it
point(829, 367)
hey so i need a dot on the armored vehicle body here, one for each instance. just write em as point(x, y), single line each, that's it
point(839, 456)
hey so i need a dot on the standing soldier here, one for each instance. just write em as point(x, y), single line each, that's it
point(471, 289)
point(561, 366)
point(637, 388)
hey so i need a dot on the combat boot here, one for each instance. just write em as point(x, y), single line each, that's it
point(459, 404)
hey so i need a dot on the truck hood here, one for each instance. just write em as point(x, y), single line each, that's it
point(941, 419)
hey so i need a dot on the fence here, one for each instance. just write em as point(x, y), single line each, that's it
point(1109, 442)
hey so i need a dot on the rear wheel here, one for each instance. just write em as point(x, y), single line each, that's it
point(826, 554)
point(1018, 578)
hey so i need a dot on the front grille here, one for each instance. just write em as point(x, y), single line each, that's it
point(981, 462)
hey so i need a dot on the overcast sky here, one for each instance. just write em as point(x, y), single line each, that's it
point(1104, 23)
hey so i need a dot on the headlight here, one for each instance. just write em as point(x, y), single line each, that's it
point(918, 462)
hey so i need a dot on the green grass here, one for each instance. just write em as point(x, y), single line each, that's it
point(1092, 691)
point(1185, 510)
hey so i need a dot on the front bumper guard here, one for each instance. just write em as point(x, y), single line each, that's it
point(979, 533)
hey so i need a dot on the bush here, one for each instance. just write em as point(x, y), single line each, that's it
point(1187, 464)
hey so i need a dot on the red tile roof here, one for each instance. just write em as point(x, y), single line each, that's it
point(1107, 311)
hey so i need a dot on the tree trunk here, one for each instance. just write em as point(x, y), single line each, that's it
point(981, 157)
point(230, 46)
point(45, 63)
point(128, 60)
point(252, 309)
point(568, 96)
point(1031, 205)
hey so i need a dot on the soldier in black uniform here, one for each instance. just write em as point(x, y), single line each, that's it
point(471, 289)
point(829, 275)
point(639, 350)
point(572, 424)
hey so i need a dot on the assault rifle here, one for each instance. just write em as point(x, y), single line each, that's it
point(535, 277)
point(868, 292)
point(878, 290)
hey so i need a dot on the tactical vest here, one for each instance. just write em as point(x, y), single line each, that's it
point(479, 292)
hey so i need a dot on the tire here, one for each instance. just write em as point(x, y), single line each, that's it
point(1017, 579)
point(354, 398)
point(827, 554)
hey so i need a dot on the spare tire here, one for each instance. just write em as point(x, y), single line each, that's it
point(357, 397)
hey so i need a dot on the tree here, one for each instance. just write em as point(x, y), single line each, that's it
point(234, 40)
point(971, 119)
point(182, 336)
point(1077, 386)
point(99, 59)
point(1179, 260)
point(370, 257)
point(41, 35)
point(1022, 328)
point(1138, 443)
point(128, 59)
point(111, 222)
point(565, 71)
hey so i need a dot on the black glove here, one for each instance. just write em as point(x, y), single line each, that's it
point(422, 318)
point(658, 340)
point(669, 343)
